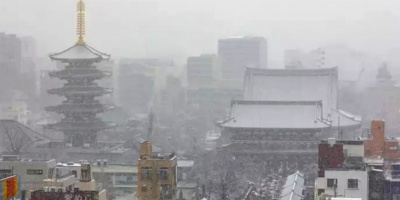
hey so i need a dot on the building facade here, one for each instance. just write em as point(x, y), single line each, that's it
point(236, 53)
point(157, 174)
point(32, 172)
point(203, 71)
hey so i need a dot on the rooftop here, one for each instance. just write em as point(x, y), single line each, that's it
point(346, 142)
point(284, 115)
point(293, 188)
point(293, 85)
point(185, 163)
point(80, 52)
point(113, 168)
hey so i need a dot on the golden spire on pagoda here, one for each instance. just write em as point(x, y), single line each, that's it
point(80, 28)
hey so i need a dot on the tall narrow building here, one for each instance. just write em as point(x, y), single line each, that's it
point(80, 124)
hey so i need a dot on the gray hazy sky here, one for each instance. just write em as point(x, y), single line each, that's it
point(178, 28)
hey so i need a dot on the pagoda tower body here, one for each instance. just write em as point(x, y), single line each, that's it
point(80, 123)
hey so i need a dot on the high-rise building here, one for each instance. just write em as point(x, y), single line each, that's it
point(80, 124)
point(10, 64)
point(140, 80)
point(157, 174)
point(203, 71)
point(238, 52)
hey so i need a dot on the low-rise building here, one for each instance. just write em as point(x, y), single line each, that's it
point(31, 171)
point(342, 171)
point(155, 170)
point(63, 183)
point(120, 180)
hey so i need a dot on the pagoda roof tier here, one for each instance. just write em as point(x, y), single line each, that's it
point(80, 91)
point(80, 52)
point(79, 108)
point(80, 73)
point(84, 126)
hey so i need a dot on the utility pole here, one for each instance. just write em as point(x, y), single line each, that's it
point(223, 189)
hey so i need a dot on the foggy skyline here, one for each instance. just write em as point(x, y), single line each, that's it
point(181, 28)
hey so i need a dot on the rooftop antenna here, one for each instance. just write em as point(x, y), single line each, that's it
point(150, 128)
point(80, 28)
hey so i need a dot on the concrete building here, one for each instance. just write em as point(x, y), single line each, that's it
point(63, 182)
point(10, 62)
point(236, 53)
point(17, 110)
point(119, 180)
point(378, 146)
point(155, 170)
point(31, 171)
point(342, 171)
point(140, 80)
point(203, 71)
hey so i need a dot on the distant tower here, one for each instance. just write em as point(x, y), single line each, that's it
point(80, 124)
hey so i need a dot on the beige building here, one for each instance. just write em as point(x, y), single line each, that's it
point(157, 174)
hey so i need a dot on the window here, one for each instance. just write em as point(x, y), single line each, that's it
point(163, 173)
point(5, 171)
point(146, 173)
point(34, 172)
point(352, 183)
point(331, 182)
point(144, 188)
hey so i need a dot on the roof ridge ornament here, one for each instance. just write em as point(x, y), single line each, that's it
point(80, 28)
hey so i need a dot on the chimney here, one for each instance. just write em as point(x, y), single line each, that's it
point(145, 150)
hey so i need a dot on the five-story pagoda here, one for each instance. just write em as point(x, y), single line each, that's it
point(80, 124)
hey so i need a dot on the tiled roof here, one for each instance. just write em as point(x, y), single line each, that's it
point(292, 85)
point(285, 115)
point(275, 114)
point(293, 188)
point(80, 52)
point(20, 129)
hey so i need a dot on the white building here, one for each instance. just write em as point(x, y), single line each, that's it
point(348, 179)
point(31, 171)
point(18, 111)
point(344, 183)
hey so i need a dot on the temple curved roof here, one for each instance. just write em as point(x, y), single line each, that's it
point(80, 52)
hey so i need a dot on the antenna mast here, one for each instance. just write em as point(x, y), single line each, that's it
point(80, 28)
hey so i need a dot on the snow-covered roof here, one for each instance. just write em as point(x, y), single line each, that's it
point(20, 130)
point(292, 85)
point(285, 115)
point(185, 163)
point(293, 188)
point(275, 115)
point(80, 52)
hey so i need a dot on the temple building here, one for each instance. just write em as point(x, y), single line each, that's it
point(80, 124)
point(283, 116)
point(292, 103)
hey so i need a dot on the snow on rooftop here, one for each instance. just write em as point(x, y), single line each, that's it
point(292, 85)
